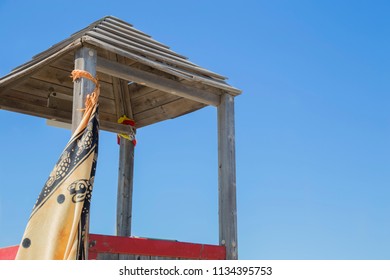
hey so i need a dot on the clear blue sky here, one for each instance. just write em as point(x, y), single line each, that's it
point(312, 125)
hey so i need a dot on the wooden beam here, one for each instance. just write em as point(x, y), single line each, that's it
point(85, 59)
point(227, 177)
point(128, 73)
point(33, 109)
point(53, 114)
point(114, 127)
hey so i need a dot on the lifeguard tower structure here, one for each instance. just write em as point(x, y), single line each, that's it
point(148, 82)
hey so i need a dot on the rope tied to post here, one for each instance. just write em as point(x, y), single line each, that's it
point(92, 98)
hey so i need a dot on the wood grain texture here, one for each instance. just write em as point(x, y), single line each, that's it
point(151, 80)
point(227, 177)
point(126, 160)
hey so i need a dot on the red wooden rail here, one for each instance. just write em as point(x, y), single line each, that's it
point(152, 247)
point(8, 253)
point(141, 246)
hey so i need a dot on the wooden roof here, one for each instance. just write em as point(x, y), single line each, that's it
point(138, 75)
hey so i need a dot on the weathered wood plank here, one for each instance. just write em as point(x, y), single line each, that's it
point(66, 63)
point(60, 77)
point(140, 48)
point(42, 88)
point(165, 67)
point(24, 71)
point(106, 106)
point(127, 257)
point(167, 111)
point(134, 53)
point(123, 32)
point(26, 98)
point(152, 100)
point(227, 177)
point(125, 25)
point(107, 256)
point(114, 127)
point(39, 109)
point(33, 109)
point(137, 90)
point(151, 80)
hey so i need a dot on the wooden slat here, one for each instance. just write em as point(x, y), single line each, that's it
point(114, 127)
point(107, 121)
point(33, 109)
point(141, 42)
point(26, 98)
point(126, 25)
point(60, 77)
point(108, 34)
point(24, 72)
point(106, 106)
point(227, 177)
point(109, 118)
point(42, 88)
point(127, 257)
point(137, 90)
point(154, 81)
point(167, 111)
point(66, 63)
point(107, 256)
point(161, 62)
point(152, 100)
point(171, 109)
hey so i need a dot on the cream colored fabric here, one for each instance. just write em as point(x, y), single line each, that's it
point(58, 226)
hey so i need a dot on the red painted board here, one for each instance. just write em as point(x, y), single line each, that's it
point(140, 246)
point(153, 247)
point(8, 253)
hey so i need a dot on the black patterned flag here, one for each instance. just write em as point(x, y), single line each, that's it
point(58, 226)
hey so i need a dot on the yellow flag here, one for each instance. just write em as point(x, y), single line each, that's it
point(58, 226)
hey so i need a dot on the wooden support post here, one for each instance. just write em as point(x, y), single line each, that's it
point(126, 163)
point(227, 177)
point(125, 188)
point(85, 59)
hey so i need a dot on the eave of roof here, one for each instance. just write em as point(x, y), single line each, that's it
point(112, 35)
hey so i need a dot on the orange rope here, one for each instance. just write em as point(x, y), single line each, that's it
point(92, 97)
point(77, 74)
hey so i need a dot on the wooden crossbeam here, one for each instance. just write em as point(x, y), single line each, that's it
point(54, 114)
point(154, 81)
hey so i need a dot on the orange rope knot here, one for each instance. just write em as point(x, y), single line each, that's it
point(92, 97)
point(125, 120)
point(77, 74)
